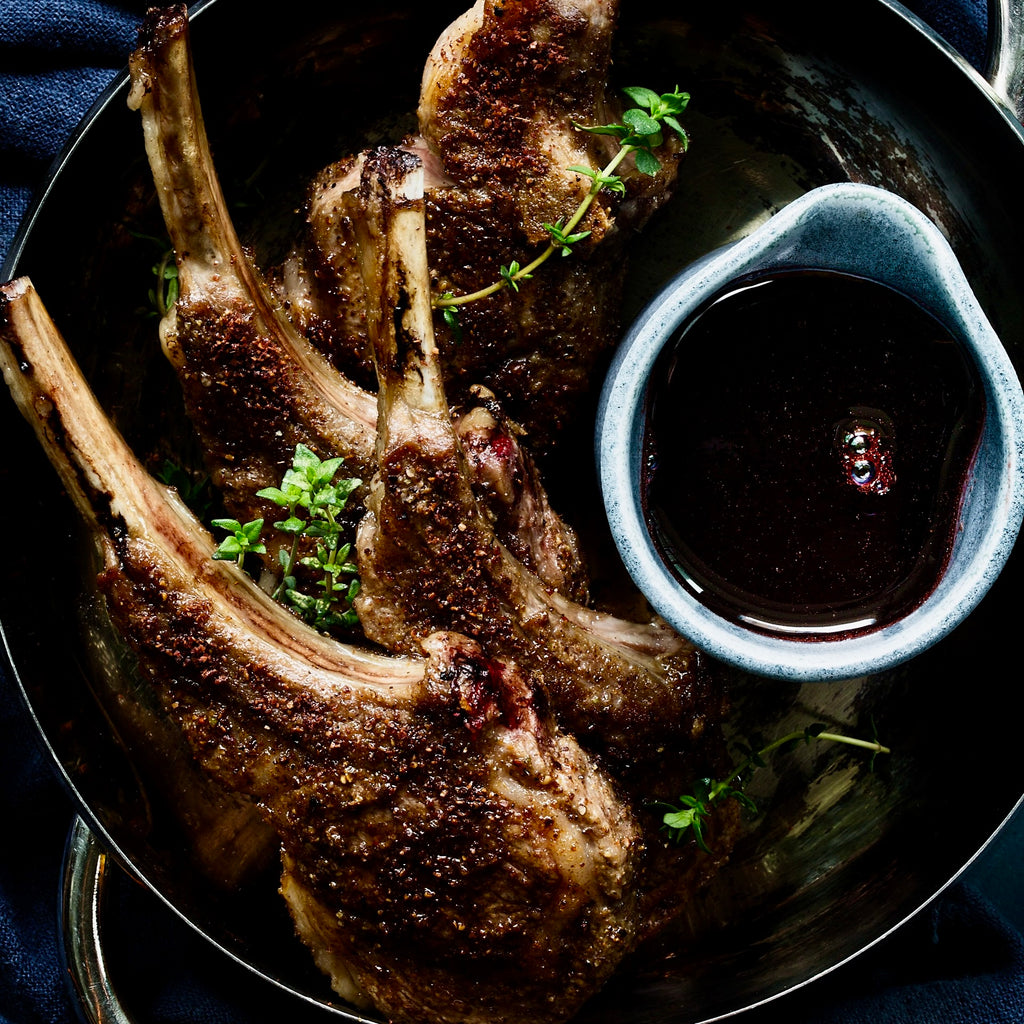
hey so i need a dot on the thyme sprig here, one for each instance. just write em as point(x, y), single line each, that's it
point(688, 817)
point(313, 499)
point(641, 131)
point(164, 293)
point(243, 539)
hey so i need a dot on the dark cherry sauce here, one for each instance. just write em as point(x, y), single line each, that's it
point(807, 444)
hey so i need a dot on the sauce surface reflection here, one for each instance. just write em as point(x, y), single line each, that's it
point(808, 439)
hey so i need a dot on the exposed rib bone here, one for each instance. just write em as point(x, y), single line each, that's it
point(450, 855)
point(429, 559)
point(254, 387)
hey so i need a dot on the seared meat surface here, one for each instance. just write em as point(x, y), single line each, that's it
point(254, 387)
point(503, 91)
point(458, 856)
point(506, 481)
point(462, 806)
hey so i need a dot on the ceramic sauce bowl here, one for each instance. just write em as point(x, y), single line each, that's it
point(854, 231)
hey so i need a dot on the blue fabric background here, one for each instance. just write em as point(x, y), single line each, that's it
point(959, 962)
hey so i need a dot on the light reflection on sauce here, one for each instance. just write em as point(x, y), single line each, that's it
point(808, 439)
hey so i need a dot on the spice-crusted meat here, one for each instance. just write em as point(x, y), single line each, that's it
point(254, 386)
point(508, 484)
point(503, 92)
point(450, 854)
point(429, 559)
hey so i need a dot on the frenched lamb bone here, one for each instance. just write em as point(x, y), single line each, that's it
point(254, 387)
point(463, 803)
point(449, 853)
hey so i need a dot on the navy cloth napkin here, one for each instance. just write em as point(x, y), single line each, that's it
point(958, 962)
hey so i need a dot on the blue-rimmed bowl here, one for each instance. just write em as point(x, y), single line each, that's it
point(853, 229)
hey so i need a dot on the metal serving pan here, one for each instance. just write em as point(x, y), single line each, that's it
point(782, 103)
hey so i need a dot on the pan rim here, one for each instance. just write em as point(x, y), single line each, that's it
point(111, 94)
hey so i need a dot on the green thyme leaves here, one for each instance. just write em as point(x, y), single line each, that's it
point(688, 817)
point(312, 497)
point(641, 131)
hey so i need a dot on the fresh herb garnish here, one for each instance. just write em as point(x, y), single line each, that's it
point(312, 499)
point(688, 817)
point(242, 539)
point(641, 131)
point(451, 318)
point(164, 292)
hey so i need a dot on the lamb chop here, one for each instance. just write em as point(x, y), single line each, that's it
point(502, 92)
point(254, 387)
point(449, 853)
point(429, 559)
point(225, 315)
